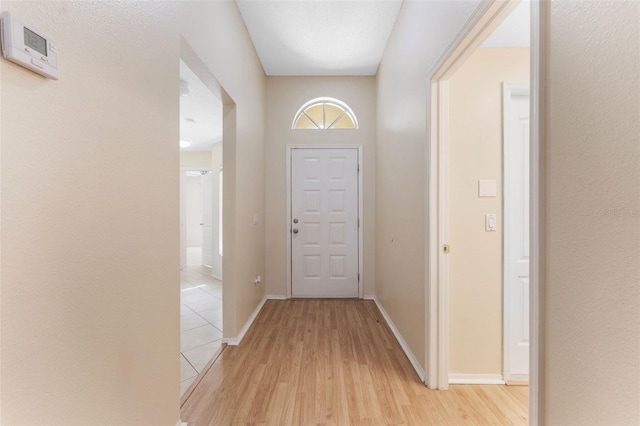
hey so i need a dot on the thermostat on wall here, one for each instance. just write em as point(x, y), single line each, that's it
point(28, 47)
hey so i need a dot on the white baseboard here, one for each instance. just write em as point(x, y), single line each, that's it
point(276, 297)
point(475, 379)
point(181, 423)
point(517, 378)
point(412, 359)
point(216, 277)
point(235, 341)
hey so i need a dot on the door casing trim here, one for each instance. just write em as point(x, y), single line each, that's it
point(358, 147)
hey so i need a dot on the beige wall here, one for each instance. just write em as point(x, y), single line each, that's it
point(285, 95)
point(422, 32)
point(90, 220)
point(195, 159)
point(89, 199)
point(592, 249)
point(475, 152)
point(215, 30)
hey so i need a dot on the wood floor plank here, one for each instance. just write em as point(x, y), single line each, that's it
point(335, 362)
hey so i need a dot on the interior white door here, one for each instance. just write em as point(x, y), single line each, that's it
point(324, 228)
point(193, 193)
point(207, 219)
point(183, 224)
point(516, 231)
point(216, 265)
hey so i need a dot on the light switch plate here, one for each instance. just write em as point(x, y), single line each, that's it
point(490, 222)
point(487, 188)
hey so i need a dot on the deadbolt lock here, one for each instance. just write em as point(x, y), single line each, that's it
point(295, 220)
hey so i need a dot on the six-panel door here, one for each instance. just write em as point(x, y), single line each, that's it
point(324, 228)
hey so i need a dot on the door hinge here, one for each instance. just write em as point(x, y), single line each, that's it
point(358, 277)
point(358, 168)
point(358, 222)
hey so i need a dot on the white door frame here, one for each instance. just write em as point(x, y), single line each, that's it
point(290, 148)
point(485, 19)
point(509, 88)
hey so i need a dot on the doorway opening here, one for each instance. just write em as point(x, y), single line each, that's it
point(483, 278)
point(202, 135)
point(488, 128)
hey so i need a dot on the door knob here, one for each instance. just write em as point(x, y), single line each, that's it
point(295, 230)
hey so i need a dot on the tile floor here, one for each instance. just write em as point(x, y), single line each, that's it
point(200, 319)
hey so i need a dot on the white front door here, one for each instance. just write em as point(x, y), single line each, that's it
point(516, 231)
point(207, 219)
point(324, 228)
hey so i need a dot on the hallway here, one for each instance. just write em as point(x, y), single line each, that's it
point(334, 362)
point(90, 218)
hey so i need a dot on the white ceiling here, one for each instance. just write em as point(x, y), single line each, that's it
point(514, 31)
point(320, 37)
point(200, 113)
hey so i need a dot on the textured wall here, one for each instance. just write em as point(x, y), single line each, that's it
point(285, 95)
point(90, 219)
point(90, 207)
point(592, 251)
point(215, 30)
point(422, 32)
point(475, 152)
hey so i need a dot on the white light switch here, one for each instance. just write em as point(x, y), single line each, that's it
point(487, 188)
point(490, 222)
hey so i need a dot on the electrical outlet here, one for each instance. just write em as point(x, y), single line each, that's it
point(257, 280)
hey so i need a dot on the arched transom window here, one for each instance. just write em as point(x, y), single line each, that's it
point(325, 113)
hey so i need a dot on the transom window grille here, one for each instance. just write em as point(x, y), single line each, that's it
point(325, 113)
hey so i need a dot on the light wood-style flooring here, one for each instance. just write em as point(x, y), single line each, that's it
point(334, 362)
